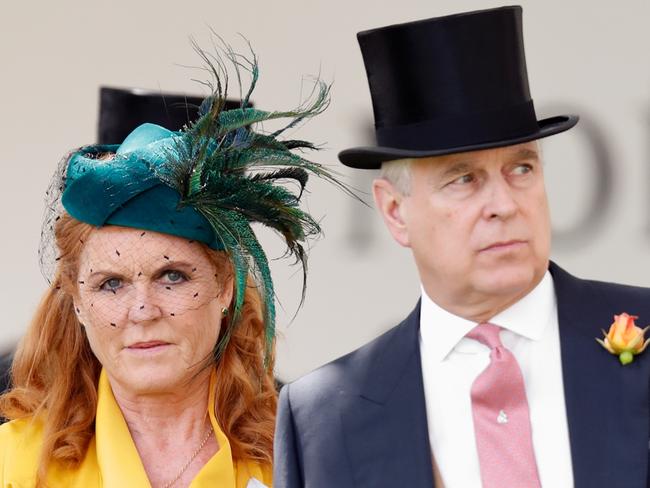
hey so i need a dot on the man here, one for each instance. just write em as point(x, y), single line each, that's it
point(495, 378)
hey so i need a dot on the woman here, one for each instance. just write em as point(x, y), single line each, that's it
point(149, 361)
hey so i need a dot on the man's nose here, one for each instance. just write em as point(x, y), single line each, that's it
point(143, 305)
point(500, 200)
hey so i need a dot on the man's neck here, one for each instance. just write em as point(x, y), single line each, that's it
point(476, 308)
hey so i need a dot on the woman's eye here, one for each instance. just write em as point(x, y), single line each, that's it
point(173, 276)
point(111, 284)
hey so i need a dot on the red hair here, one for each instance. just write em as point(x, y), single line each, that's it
point(55, 370)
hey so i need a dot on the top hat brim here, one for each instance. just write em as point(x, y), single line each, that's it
point(371, 157)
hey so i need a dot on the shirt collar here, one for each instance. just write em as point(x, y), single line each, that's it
point(442, 330)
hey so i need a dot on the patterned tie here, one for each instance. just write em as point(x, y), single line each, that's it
point(501, 418)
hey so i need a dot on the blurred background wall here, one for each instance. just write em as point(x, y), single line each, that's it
point(584, 56)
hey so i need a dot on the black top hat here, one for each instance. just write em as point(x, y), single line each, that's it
point(449, 84)
point(123, 109)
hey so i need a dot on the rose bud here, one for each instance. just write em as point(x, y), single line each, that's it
point(624, 338)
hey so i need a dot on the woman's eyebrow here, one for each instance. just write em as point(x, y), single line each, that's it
point(101, 273)
point(171, 264)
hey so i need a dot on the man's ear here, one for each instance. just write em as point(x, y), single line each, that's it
point(392, 206)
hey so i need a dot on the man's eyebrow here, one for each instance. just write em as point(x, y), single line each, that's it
point(457, 167)
point(525, 153)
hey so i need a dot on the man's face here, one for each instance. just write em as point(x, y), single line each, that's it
point(477, 224)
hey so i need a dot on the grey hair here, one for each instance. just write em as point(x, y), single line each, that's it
point(398, 172)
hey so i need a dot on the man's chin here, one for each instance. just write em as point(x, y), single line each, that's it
point(512, 279)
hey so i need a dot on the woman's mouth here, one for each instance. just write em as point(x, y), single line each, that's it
point(148, 345)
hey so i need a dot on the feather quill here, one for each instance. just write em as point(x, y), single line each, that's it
point(233, 176)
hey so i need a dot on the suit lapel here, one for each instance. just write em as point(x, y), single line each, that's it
point(387, 438)
point(606, 403)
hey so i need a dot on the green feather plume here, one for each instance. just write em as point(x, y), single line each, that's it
point(231, 174)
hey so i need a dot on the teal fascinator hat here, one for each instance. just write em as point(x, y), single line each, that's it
point(207, 182)
point(122, 185)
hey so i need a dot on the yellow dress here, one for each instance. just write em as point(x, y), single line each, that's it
point(112, 460)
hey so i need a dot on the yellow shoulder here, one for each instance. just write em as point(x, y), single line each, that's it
point(20, 448)
point(267, 474)
point(247, 470)
point(21, 442)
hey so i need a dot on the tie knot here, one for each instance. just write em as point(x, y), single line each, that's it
point(487, 334)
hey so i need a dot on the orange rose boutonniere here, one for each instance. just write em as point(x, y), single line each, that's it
point(624, 338)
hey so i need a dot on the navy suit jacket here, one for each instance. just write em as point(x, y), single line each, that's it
point(360, 421)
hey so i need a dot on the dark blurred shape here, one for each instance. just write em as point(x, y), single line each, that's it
point(123, 109)
point(5, 365)
point(5, 373)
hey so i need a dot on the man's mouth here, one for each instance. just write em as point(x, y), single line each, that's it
point(504, 245)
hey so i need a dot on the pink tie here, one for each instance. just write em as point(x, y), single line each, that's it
point(501, 418)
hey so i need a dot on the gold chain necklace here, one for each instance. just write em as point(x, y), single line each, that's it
point(189, 461)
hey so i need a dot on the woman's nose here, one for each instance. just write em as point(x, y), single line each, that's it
point(144, 306)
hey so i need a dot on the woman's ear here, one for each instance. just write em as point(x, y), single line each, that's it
point(227, 290)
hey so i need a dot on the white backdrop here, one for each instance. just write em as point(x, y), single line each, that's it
point(586, 56)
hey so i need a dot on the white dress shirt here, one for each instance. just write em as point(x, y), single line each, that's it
point(451, 362)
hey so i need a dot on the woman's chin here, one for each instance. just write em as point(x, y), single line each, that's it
point(152, 377)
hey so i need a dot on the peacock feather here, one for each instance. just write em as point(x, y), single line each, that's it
point(234, 176)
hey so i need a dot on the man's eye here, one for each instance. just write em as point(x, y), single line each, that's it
point(173, 276)
point(463, 180)
point(522, 169)
point(111, 284)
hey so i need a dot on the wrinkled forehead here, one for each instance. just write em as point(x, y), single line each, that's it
point(433, 169)
point(126, 248)
point(497, 155)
